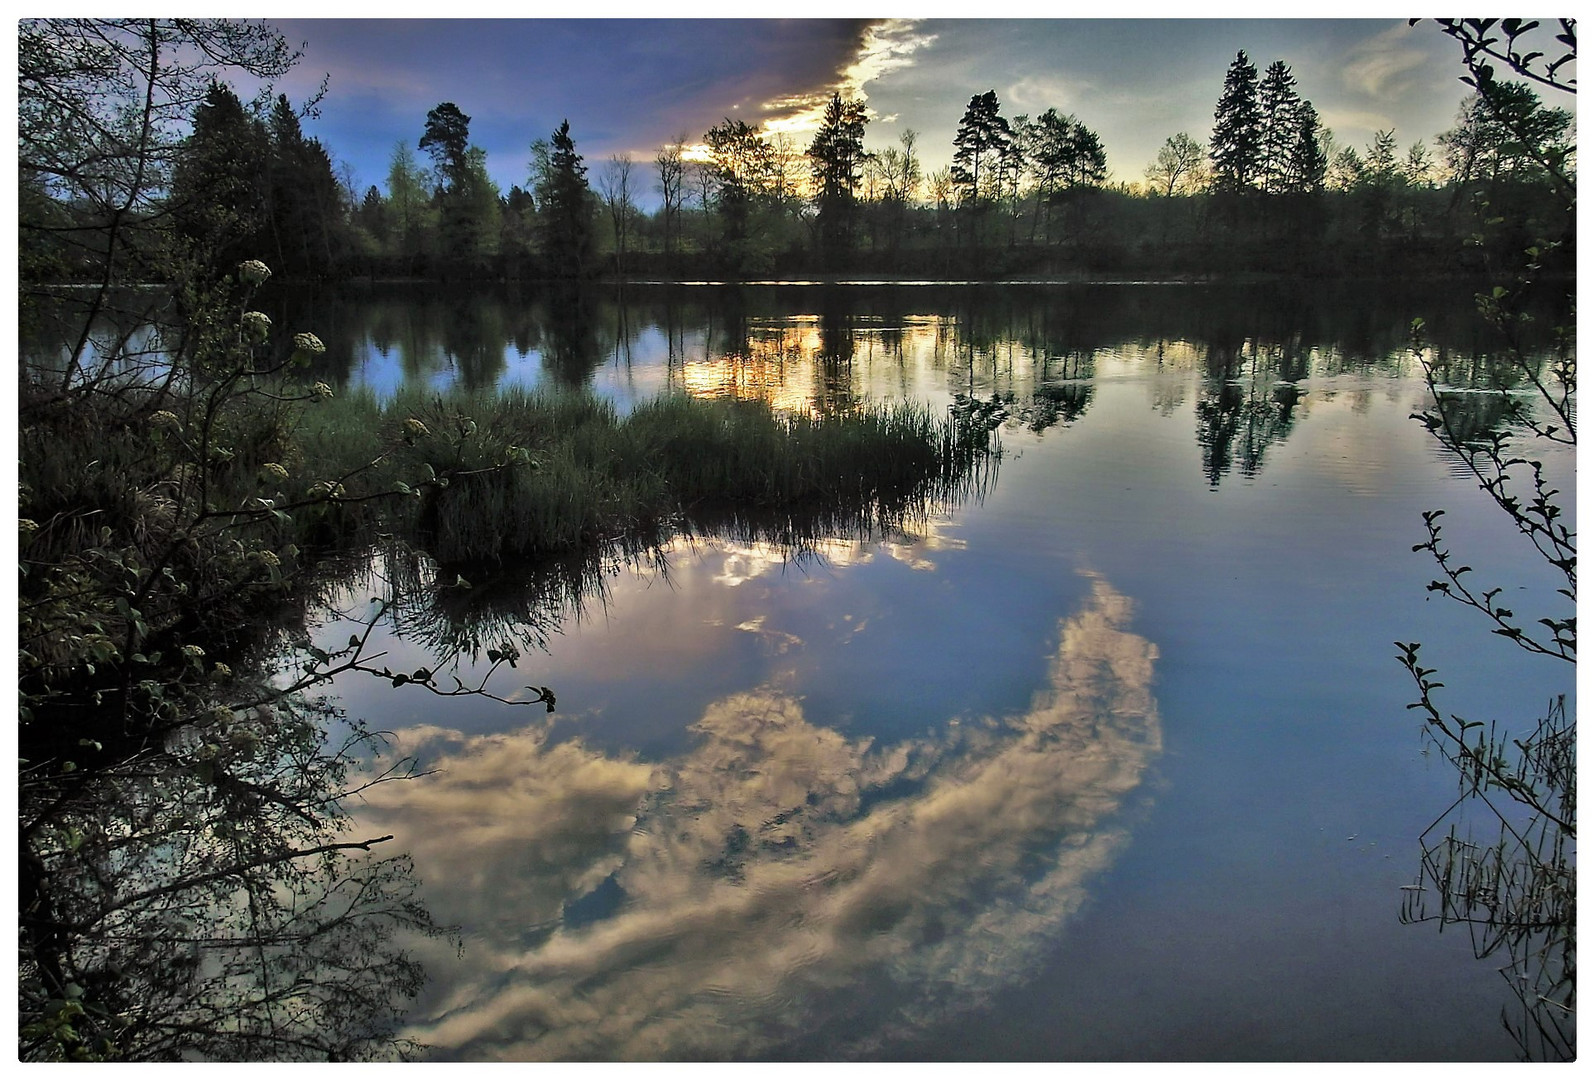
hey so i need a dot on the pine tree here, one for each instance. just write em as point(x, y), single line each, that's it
point(982, 138)
point(1279, 107)
point(1380, 165)
point(1308, 164)
point(306, 213)
point(1237, 130)
point(566, 203)
point(836, 159)
point(446, 136)
point(219, 187)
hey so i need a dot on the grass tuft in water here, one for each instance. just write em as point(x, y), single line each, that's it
point(523, 474)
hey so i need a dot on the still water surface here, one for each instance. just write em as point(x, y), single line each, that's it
point(1108, 762)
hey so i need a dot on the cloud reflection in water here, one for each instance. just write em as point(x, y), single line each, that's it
point(778, 878)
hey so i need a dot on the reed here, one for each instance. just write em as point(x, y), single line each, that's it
point(524, 474)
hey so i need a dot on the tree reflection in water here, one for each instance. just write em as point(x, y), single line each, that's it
point(778, 877)
point(205, 901)
point(1247, 403)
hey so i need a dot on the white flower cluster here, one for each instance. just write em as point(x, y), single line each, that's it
point(308, 343)
point(256, 325)
point(253, 272)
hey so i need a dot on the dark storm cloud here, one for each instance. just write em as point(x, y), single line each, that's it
point(631, 85)
point(626, 85)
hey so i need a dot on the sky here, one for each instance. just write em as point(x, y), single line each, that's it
point(629, 85)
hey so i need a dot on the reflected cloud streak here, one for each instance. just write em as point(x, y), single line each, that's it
point(780, 876)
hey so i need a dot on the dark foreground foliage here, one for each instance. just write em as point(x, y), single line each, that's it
point(187, 887)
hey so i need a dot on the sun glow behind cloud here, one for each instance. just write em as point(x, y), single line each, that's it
point(885, 46)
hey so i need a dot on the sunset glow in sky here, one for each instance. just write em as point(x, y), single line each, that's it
point(628, 86)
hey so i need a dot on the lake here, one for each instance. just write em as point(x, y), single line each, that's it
point(1109, 760)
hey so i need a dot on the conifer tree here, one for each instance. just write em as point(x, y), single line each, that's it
point(836, 159)
point(1308, 164)
point(566, 204)
point(1278, 107)
point(218, 191)
point(1237, 130)
point(983, 136)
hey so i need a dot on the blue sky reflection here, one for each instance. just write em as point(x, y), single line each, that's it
point(736, 894)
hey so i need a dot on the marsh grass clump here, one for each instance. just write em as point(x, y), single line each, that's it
point(518, 475)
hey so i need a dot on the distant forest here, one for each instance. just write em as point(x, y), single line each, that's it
point(1271, 191)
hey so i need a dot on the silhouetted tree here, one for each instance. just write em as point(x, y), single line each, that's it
point(465, 196)
point(517, 243)
point(982, 137)
point(739, 171)
point(1308, 163)
point(566, 204)
point(218, 193)
point(304, 200)
point(1345, 170)
point(446, 136)
point(614, 185)
point(836, 158)
point(672, 176)
point(1418, 168)
point(1062, 153)
point(1278, 109)
point(371, 216)
point(1181, 165)
point(1237, 130)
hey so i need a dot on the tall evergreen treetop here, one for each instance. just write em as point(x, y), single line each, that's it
point(1308, 164)
point(1278, 108)
point(566, 203)
point(836, 155)
point(446, 136)
point(983, 136)
point(836, 158)
point(219, 188)
point(1237, 129)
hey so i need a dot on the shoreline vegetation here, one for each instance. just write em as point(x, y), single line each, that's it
point(188, 885)
point(1273, 191)
point(181, 523)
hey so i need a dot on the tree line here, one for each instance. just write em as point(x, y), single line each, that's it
point(1272, 189)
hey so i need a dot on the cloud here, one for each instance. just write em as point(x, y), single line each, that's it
point(1387, 65)
point(534, 822)
point(1347, 122)
point(1035, 93)
point(778, 875)
point(883, 47)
